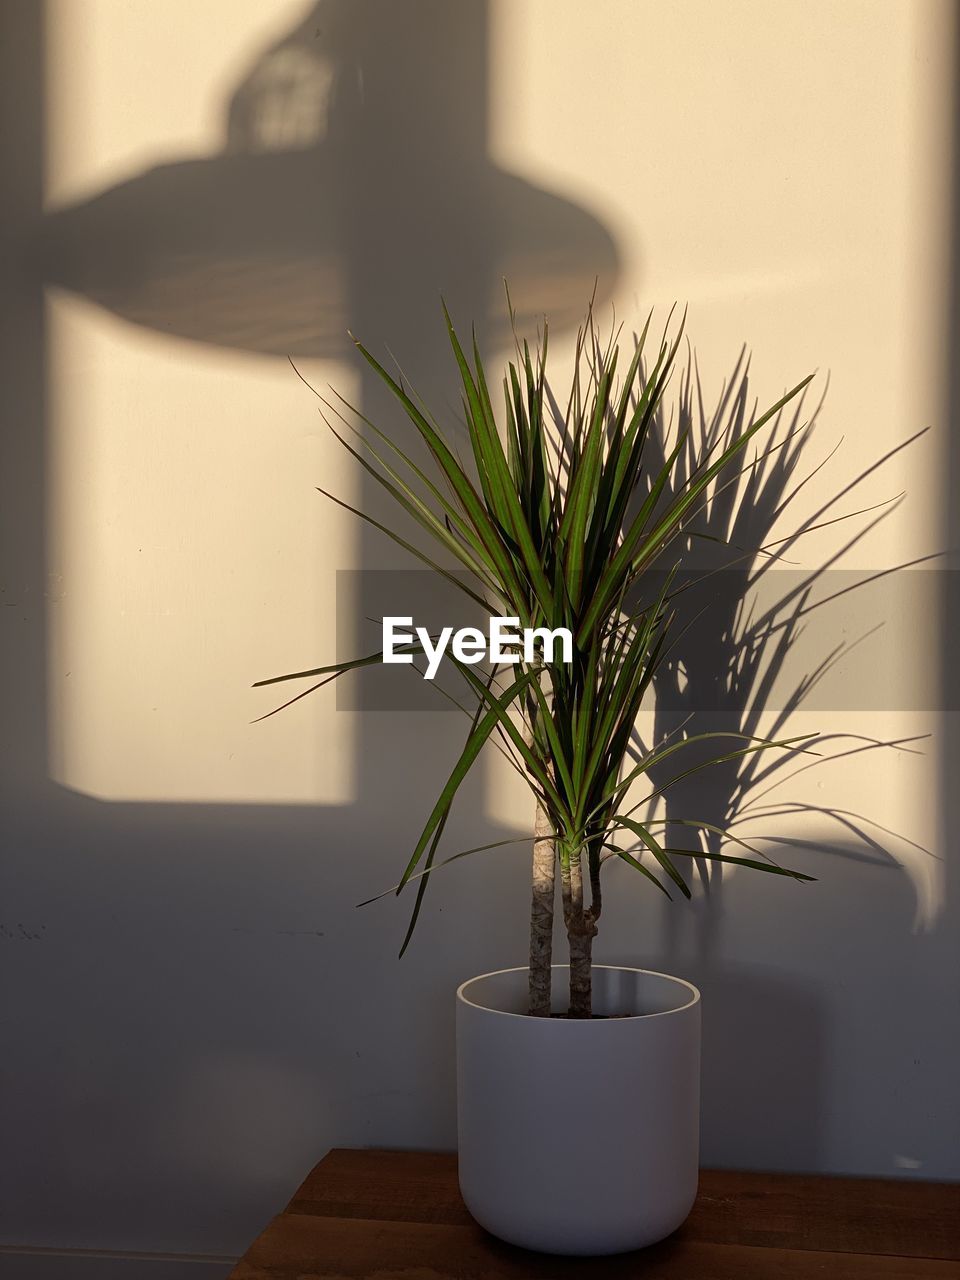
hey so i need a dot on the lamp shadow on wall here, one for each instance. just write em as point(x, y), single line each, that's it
point(352, 184)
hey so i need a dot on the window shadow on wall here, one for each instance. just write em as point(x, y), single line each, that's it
point(198, 1012)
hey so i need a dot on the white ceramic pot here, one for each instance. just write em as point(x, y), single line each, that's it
point(579, 1136)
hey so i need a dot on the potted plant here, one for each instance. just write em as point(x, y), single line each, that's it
point(578, 1114)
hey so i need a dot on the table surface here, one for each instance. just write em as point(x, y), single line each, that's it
point(398, 1215)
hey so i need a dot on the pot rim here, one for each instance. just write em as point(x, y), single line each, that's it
point(589, 1022)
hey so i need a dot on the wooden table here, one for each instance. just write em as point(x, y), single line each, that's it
point(397, 1215)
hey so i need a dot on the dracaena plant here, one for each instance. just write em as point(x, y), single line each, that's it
point(560, 522)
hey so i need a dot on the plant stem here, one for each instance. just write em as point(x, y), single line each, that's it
point(581, 928)
point(541, 914)
point(581, 974)
point(543, 892)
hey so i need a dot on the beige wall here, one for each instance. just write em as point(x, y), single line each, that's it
point(193, 552)
point(207, 1011)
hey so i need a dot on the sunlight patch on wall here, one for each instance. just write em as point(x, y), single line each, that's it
point(190, 555)
point(189, 552)
point(134, 84)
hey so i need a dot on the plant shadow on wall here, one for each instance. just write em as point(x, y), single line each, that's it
point(745, 660)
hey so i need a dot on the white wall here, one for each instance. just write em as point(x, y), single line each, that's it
point(194, 1010)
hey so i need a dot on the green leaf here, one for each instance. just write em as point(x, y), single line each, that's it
point(645, 837)
point(493, 464)
point(637, 866)
point(459, 482)
point(771, 867)
point(478, 735)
